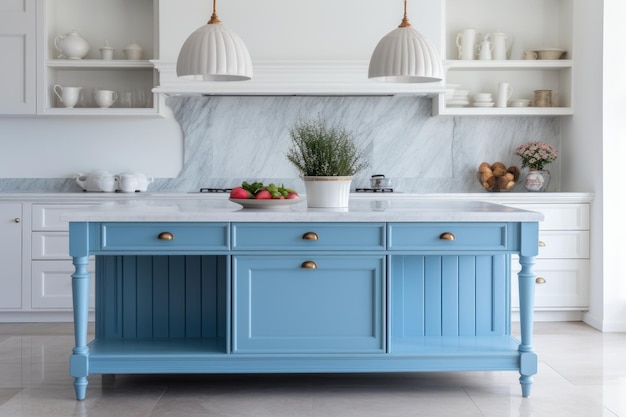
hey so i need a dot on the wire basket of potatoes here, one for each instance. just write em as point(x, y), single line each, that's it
point(497, 177)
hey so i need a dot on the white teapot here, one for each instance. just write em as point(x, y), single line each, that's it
point(71, 45)
point(98, 180)
point(132, 181)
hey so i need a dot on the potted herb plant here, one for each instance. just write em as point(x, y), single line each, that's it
point(535, 156)
point(326, 157)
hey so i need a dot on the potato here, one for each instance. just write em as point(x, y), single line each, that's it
point(515, 171)
point(484, 167)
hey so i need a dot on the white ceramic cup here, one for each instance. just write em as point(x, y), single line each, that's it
point(67, 95)
point(105, 98)
point(505, 91)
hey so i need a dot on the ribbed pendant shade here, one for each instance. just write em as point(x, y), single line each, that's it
point(213, 53)
point(405, 56)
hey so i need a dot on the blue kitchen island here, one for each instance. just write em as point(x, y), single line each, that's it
point(205, 286)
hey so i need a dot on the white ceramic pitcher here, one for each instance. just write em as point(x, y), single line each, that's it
point(466, 42)
point(501, 45)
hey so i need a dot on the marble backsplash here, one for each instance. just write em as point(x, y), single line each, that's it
point(231, 139)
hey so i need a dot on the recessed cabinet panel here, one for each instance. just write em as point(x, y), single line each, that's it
point(18, 75)
point(52, 284)
point(52, 216)
point(284, 304)
point(50, 245)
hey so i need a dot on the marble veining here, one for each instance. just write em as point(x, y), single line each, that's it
point(231, 139)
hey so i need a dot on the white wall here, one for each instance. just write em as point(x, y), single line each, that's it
point(614, 148)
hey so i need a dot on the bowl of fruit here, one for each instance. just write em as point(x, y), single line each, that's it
point(257, 195)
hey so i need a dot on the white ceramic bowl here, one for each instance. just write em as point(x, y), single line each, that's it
point(522, 102)
point(483, 97)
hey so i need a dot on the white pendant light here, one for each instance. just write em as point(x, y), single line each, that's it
point(213, 53)
point(405, 56)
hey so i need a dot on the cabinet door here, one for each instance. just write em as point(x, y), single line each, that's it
point(286, 304)
point(11, 255)
point(18, 75)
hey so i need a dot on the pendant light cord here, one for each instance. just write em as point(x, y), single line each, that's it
point(405, 20)
point(216, 20)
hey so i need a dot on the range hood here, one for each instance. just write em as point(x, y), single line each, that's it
point(328, 77)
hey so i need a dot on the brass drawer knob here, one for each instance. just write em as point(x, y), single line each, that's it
point(166, 236)
point(447, 236)
point(542, 244)
point(309, 265)
point(310, 236)
point(540, 280)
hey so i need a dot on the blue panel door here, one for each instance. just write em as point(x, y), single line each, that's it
point(449, 296)
point(283, 305)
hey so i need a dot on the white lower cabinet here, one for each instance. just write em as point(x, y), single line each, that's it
point(11, 256)
point(563, 263)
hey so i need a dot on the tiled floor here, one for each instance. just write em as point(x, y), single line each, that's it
point(582, 372)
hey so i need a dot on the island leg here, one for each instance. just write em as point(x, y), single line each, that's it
point(528, 357)
point(79, 361)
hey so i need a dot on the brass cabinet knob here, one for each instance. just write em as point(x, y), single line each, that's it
point(17, 220)
point(447, 236)
point(166, 236)
point(310, 236)
point(309, 265)
point(540, 280)
point(542, 244)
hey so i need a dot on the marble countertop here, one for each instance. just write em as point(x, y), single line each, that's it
point(381, 209)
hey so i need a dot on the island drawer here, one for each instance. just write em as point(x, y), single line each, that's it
point(448, 236)
point(309, 236)
point(165, 237)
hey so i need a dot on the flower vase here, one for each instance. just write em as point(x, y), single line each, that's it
point(537, 180)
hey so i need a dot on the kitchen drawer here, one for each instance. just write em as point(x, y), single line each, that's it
point(311, 236)
point(560, 284)
point(137, 237)
point(52, 216)
point(568, 244)
point(50, 245)
point(281, 304)
point(52, 284)
point(432, 236)
point(560, 216)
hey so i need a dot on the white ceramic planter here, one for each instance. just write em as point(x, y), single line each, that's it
point(327, 192)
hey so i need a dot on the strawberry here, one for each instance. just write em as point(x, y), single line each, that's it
point(263, 195)
point(292, 195)
point(239, 192)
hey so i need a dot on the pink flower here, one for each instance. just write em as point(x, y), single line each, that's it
point(535, 155)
